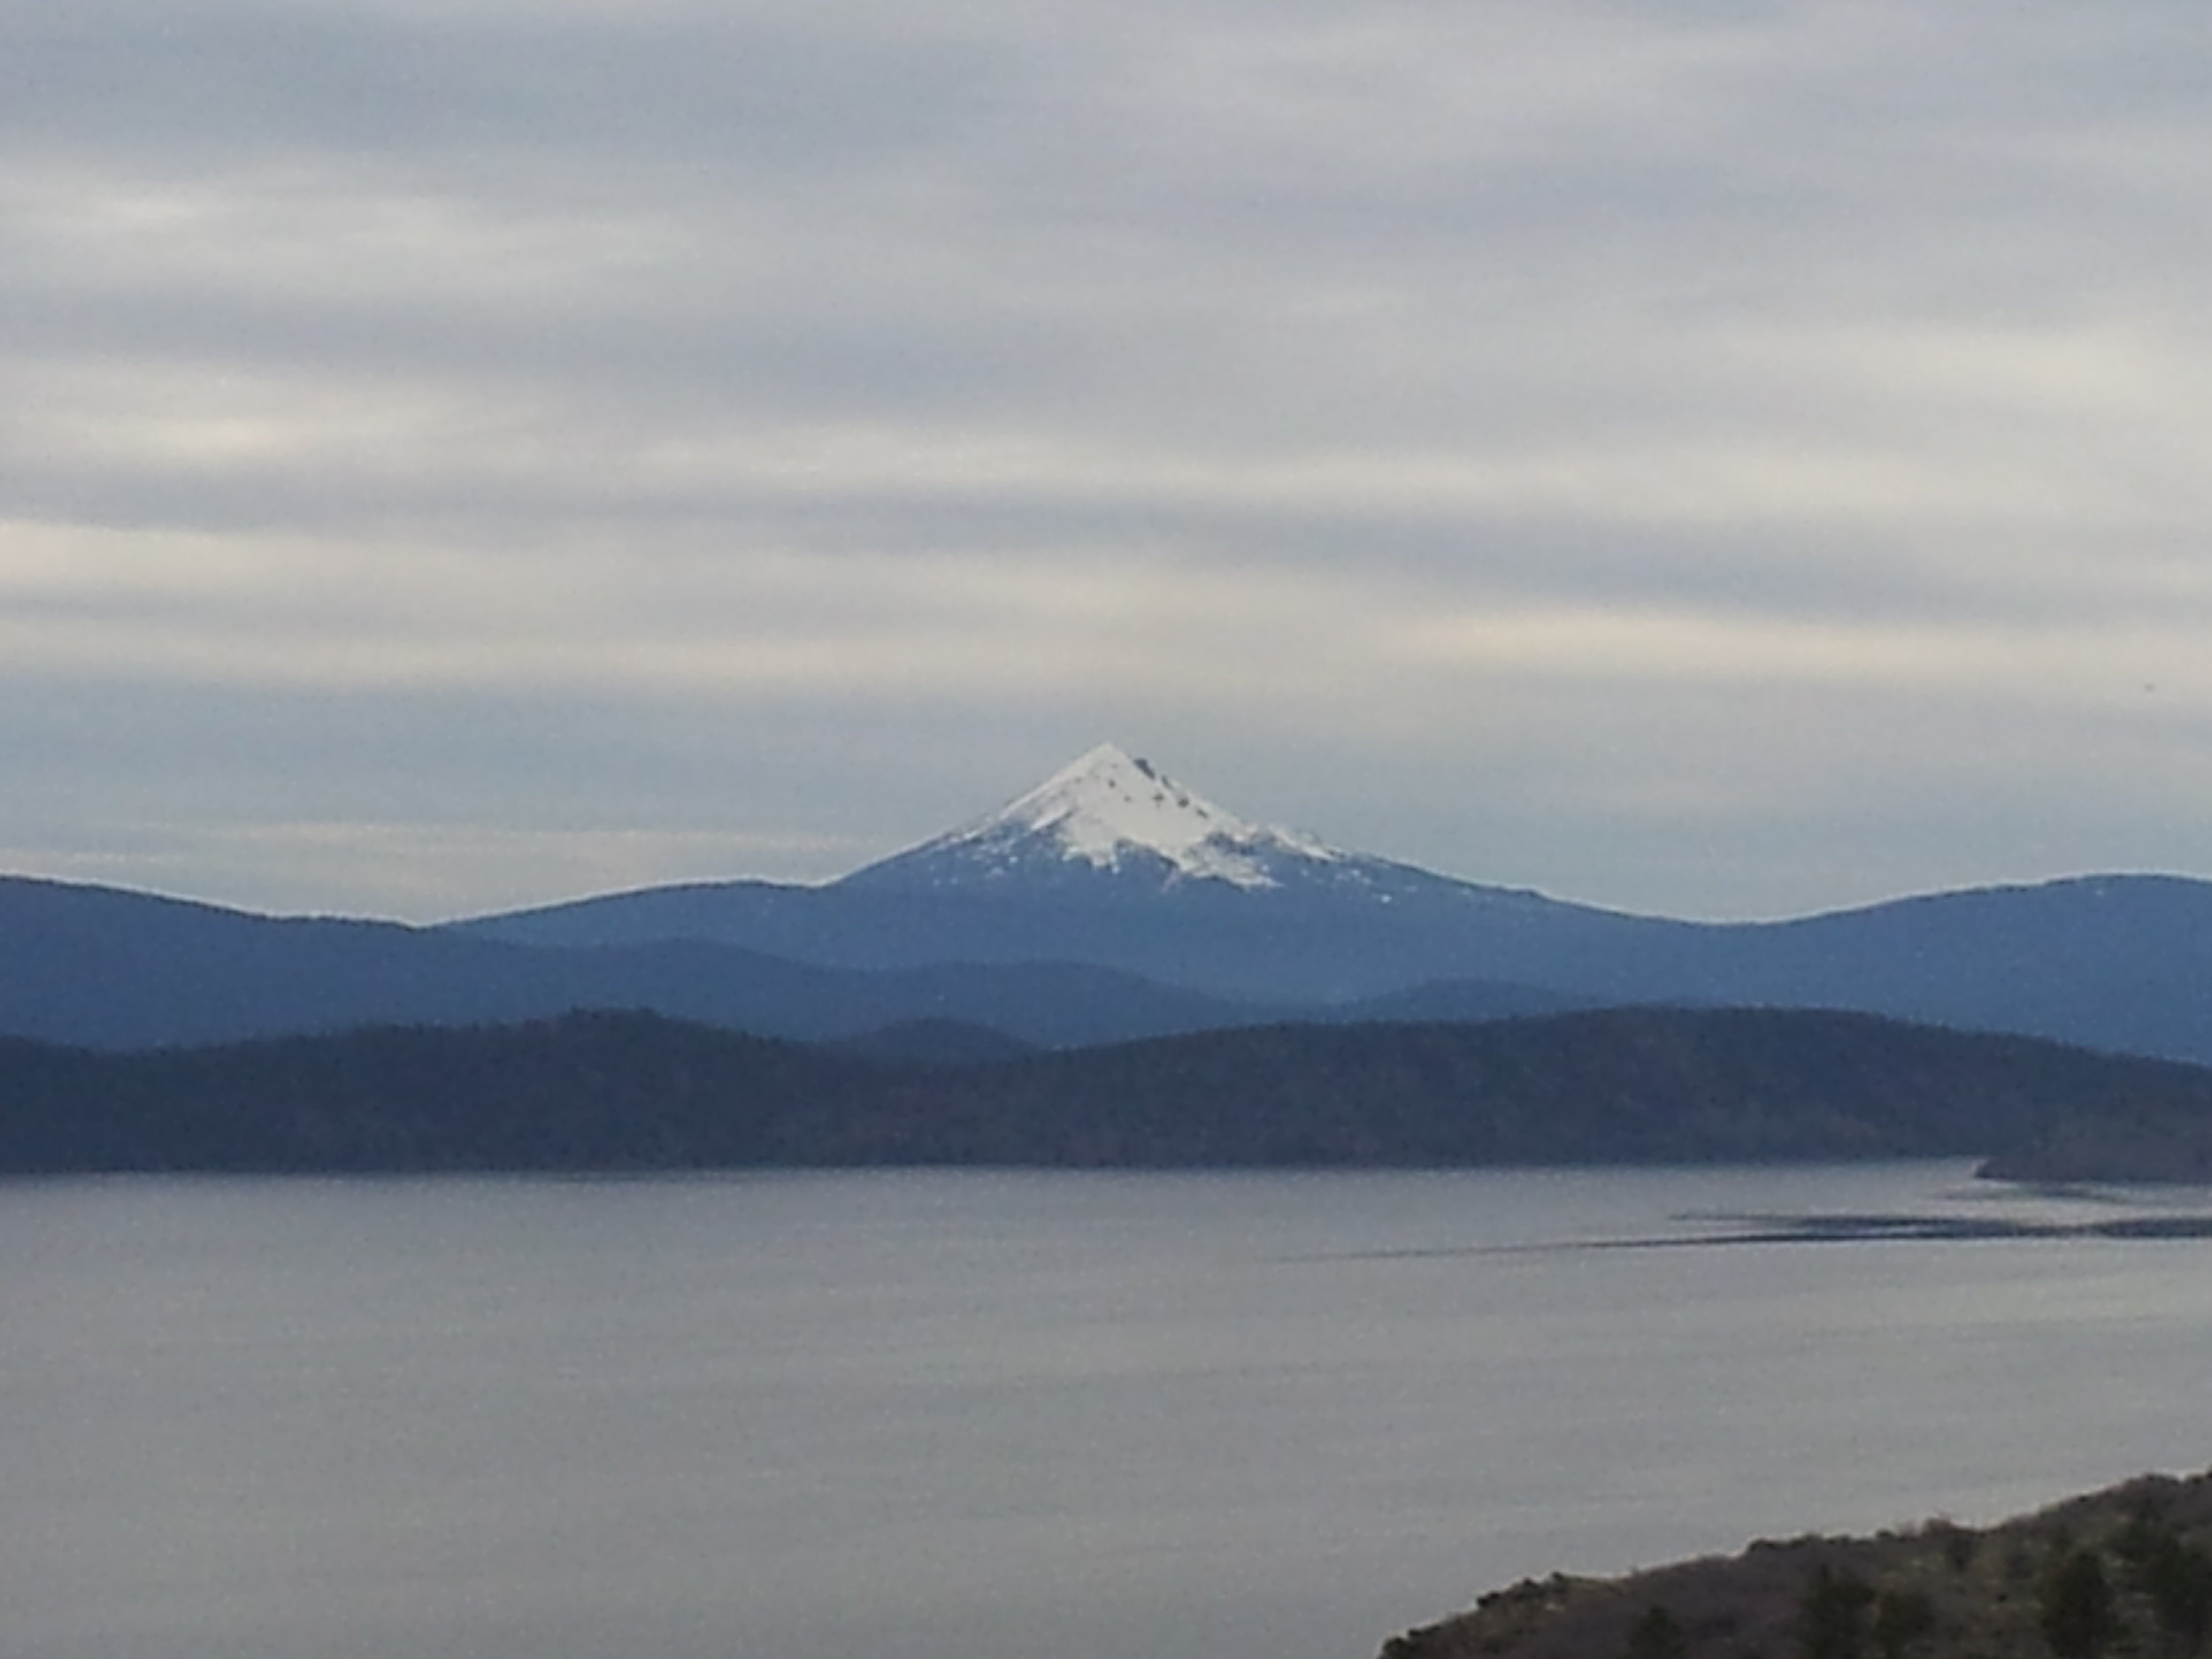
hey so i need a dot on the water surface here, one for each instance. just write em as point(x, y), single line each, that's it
point(986, 1415)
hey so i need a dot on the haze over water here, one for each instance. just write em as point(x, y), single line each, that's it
point(986, 1415)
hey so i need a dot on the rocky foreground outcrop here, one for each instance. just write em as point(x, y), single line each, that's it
point(2126, 1572)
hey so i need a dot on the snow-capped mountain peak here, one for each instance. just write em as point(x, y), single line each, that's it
point(1110, 811)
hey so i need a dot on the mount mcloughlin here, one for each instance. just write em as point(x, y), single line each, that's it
point(1108, 903)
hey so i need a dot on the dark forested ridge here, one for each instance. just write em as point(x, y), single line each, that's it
point(2147, 1139)
point(2127, 1571)
point(636, 1092)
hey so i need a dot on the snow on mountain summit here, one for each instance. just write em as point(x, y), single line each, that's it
point(1113, 812)
point(1109, 802)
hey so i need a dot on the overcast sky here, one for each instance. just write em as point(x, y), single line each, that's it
point(1712, 458)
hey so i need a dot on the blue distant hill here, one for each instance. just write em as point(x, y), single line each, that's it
point(1110, 902)
point(1112, 863)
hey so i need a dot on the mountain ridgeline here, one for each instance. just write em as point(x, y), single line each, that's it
point(1200, 990)
point(1108, 904)
point(1112, 863)
point(636, 1092)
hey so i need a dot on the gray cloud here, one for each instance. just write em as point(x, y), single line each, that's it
point(1711, 457)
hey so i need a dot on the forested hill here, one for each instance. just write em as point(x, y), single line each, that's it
point(634, 1092)
point(2127, 1571)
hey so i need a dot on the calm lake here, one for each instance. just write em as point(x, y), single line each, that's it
point(991, 1414)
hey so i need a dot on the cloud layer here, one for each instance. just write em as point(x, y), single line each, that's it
point(1711, 459)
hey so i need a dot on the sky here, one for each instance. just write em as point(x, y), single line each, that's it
point(1708, 458)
